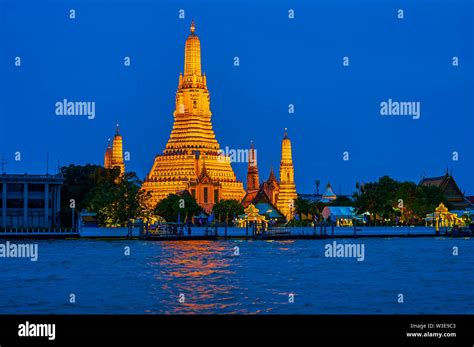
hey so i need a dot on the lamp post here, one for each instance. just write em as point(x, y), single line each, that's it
point(318, 182)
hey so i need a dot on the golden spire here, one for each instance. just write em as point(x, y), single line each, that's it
point(108, 156)
point(287, 194)
point(117, 151)
point(286, 156)
point(192, 54)
point(192, 159)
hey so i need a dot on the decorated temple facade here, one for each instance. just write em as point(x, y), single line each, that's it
point(113, 157)
point(275, 198)
point(192, 159)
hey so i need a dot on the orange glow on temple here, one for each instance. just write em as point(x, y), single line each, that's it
point(191, 160)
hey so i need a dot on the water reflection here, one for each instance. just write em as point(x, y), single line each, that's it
point(200, 274)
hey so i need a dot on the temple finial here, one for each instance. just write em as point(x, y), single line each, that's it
point(285, 136)
point(193, 27)
point(117, 129)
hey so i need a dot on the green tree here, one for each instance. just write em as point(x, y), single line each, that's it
point(184, 203)
point(79, 181)
point(225, 210)
point(116, 199)
point(119, 201)
point(388, 199)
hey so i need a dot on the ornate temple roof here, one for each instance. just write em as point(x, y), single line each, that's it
point(261, 200)
point(272, 177)
point(450, 189)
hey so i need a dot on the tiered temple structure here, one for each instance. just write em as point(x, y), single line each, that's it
point(192, 160)
point(273, 198)
point(287, 194)
point(114, 153)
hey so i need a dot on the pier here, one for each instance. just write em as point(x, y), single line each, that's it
point(38, 233)
point(252, 232)
point(181, 232)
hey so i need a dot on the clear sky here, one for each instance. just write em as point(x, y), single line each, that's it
point(282, 61)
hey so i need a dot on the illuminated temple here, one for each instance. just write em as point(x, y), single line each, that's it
point(192, 159)
point(113, 157)
point(272, 197)
point(287, 194)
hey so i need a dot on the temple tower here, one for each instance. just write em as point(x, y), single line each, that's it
point(252, 170)
point(108, 156)
point(114, 154)
point(117, 151)
point(192, 142)
point(287, 193)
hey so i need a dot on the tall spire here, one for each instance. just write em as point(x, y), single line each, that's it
point(192, 151)
point(252, 157)
point(114, 153)
point(108, 156)
point(286, 156)
point(287, 194)
point(192, 127)
point(253, 182)
point(192, 54)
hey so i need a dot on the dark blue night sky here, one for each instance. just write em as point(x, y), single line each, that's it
point(282, 62)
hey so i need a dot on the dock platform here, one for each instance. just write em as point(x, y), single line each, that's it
point(38, 233)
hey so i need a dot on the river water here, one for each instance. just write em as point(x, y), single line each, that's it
point(257, 277)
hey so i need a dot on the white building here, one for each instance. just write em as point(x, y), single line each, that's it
point(30, 200)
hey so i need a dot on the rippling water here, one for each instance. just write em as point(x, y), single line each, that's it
point(259, 280)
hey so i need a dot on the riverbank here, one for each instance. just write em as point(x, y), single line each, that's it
point(219, 233)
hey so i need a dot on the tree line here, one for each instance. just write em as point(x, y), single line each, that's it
point(387, 202)
point(118, 199)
